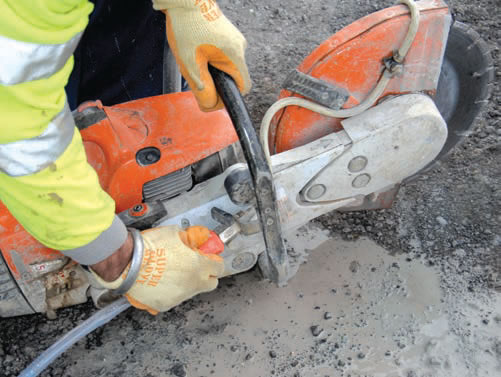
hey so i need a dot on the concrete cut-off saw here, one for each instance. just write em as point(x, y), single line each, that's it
point(380, 101)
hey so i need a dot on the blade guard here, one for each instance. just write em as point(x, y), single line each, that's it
point(352, 61)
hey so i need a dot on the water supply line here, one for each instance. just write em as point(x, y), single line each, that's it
point(368, 102)
point(98, 319)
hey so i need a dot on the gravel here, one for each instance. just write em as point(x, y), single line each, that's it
point(316, 330)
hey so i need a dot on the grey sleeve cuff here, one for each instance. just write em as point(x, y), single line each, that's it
point(102, 247)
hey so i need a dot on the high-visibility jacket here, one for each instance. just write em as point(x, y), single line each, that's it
point(45, 180)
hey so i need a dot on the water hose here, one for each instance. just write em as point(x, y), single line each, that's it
point(411, 33)
point(371, 99)
point(98, 319)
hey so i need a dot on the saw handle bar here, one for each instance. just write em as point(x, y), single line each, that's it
point(274, 262)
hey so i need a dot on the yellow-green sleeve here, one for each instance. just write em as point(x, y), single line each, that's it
point(45, 179)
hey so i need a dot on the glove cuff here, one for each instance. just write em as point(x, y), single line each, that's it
point(171, 4)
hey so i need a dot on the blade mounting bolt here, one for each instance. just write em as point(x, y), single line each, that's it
point(316, 192)
point(361, 181)
point(243, 261)
point(357, 164)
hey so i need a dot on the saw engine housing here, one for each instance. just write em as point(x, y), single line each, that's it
point(164, 161)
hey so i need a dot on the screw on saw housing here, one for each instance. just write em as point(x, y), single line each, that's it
point(274, 261)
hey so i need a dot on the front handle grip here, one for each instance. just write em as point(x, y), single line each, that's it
point(274, 262)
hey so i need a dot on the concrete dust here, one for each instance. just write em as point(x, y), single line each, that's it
point(389, 316)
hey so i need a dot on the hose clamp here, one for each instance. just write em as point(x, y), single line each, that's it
point(135, 264)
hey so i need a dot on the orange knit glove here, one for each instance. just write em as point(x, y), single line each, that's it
point(199, 34)
point(173, 269)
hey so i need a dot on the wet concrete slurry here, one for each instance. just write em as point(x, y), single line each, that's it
point(352, 310)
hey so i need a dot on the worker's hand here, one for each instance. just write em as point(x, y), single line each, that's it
point(173, 269)
point(199, 34)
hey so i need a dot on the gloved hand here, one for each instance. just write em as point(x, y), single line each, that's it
point(199, 34)
point(173, 269)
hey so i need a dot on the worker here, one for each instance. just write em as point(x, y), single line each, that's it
point(45, 180)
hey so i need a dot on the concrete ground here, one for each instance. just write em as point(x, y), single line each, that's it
point(414, 291)
point(353, 309)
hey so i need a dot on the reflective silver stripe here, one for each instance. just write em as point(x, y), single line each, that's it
point(29, 156)
point(25, 61)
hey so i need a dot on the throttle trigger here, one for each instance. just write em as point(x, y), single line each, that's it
point(213, 245)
